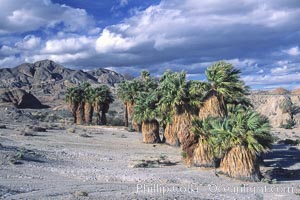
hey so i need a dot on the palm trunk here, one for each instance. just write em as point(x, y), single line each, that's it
point(170, 136)
point(88, 113)
point(150, 130)
point(80, 114)
point(178, 132)
point(239, 162)
point(126, 114)
point(73, 108)
point(97, 108)
point(203, 155)
point(186, 137)
point(134, 125)
point(104, 110)
point(212, 107)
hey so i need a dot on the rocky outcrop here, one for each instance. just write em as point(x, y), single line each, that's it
point(106, 76)
point(20, 98)
point(272, 107)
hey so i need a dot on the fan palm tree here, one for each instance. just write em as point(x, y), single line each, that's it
point(237, 140)
point(102, 98)
point(146, 112)
point(73, 99)
point(172, 91)
point(224, 88)
point(108, 100)
point(145, 75)
point(88, 103)
point(246, 135)
point(128, 92)
point(225, 85)
point(122, 90)
point(179, 99)
point(203, 155)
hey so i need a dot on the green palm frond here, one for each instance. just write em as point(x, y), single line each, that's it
point(145, 108)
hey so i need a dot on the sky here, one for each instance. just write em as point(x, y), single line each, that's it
point(260, 37)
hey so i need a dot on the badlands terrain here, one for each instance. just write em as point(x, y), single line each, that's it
point(44, 156)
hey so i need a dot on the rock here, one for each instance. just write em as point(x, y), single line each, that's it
point(106, 76)
point(20, 98)
point(270, 106)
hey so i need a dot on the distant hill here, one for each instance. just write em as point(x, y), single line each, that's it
point(48, 80)
point(296, 91)
point(280, 91)
point(47, 71)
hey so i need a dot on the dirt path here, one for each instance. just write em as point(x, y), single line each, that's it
point(111, 163)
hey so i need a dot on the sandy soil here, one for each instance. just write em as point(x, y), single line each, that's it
point(111, 163)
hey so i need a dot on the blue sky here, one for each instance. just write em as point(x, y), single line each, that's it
point(262, 38)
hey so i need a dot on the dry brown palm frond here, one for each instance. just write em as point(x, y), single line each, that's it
point(150, 130)
point(239, 162)
point(203, 155)
point(211, 106)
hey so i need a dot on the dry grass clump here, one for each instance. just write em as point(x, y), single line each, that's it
point(71, 130)
point(80, 194)
point(37, 129)
point(153, 163)
point(85, 135)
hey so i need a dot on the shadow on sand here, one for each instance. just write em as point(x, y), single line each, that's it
point(286, 162)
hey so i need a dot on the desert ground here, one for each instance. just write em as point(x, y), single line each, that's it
point(64, 161)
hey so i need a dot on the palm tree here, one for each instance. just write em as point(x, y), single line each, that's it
point(172, 91)
point(102, 98)
point(123, 95)
point(80, 108)
point(246, 135)
point(145, 75)
point(107, 101)
point(88, 103)
point(146, 112)
point(72, 99)
point(179, 99)
point(203, 155)
point(224, 88)
point(74, 96)
point(225, 85)
point(237, 140)
point(128, 92)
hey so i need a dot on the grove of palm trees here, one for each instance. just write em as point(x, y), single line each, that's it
point(85, 100)
point(212, 121)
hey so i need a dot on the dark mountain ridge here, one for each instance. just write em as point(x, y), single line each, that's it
point(47, 71)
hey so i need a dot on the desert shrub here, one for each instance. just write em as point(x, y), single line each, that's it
point(275, 138)
point(55, 127)
point(289, 124)
point(183, 154)
point(112, 113)
point(115, 121)
point(37, 129)
point(85, 135)
point(290, 142)
point(81, 194)
point(71, 130)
